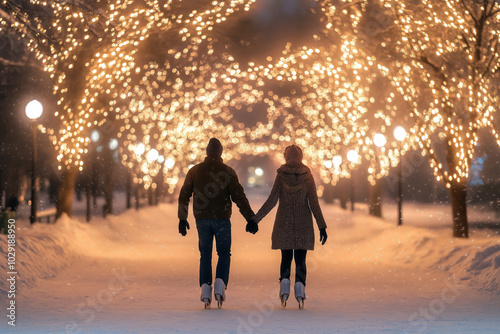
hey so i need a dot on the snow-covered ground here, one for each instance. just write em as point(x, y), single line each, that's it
point(133, 273)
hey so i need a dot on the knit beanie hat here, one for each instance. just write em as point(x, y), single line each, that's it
point(293, 153)
point(214, 147)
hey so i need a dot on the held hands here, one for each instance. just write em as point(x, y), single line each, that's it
point(322, 236)
point(252, 226)
point(183, 224)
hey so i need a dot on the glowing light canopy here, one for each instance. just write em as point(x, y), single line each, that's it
point(321, 95)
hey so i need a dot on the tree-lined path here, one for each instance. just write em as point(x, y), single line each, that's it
point(136, 274)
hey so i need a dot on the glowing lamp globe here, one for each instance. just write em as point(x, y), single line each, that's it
point(352, 156)
point(399, 133)
point(113, 144)
point(152, 155)
point(95, 136)
point(328, 164)
point(259, 171)
point(169, 163)
point(34, 110)
point(337, 161)
point(379, 140)
point(140, 149)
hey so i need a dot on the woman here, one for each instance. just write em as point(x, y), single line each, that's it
point(293, 231)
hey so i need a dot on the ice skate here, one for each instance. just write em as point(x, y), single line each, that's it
point(219, 291)
point(284, 291)
point(300, 294)
point(206, 295)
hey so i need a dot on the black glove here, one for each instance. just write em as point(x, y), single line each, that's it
point(323, 236)
point(252, 226)
point(183, 224)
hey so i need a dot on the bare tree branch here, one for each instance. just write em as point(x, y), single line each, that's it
point(469, 10)
point(487, 71)
point(492, 3)
point(436, 69)
point(7, 62)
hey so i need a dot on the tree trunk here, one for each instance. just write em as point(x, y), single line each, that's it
point(66, 192)
point(109, 170)
point(150, 196)
point(137, 197)
point(458, 197)
point(458, 193)
point(108, 188)
point(342, 191)
point(88, 194)
point(375, 199)
point(129, 190)
point(329, 194)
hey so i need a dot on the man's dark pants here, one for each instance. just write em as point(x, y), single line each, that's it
point(207, 230)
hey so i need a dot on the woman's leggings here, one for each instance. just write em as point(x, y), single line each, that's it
point(300, 264)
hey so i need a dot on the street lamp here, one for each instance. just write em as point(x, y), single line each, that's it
point(379, 140)
point(337, 161)
point(113, 144)
point(95, 136)
point(400, 135)
point(170, 162)
point(140, 149)
point(34, 110)
point(152, 155)
point(375, 207)
point(352, 156)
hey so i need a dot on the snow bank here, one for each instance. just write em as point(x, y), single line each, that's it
point(44, 250)
point(475, 260)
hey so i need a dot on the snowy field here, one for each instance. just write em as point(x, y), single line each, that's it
point(133, 273)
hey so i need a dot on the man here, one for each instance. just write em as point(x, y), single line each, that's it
point(214, 185)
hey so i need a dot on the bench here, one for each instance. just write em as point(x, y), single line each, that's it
point(47, 213)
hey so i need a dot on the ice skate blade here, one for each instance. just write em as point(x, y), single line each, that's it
point(206, 301)
point(219, 300)
point(301, 303)
point(284, 298)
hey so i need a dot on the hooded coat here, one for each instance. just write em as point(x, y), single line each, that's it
point(295, 189)
point(214, 186)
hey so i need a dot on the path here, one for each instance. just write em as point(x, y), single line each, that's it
point(140, 276)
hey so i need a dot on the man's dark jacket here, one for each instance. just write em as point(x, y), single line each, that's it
point(214, 184)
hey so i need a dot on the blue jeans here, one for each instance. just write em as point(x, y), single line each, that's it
point(207, 229)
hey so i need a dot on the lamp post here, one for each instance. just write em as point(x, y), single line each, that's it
point(108, 159)
point(34, 110)
point(352, 156)
point(375, 207)
point(91, 187)
point(151, 157)
point(139, 150)
point(400, 135)
point(160, 178)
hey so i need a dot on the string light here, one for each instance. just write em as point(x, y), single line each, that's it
point(320, 95)
point(447, 73)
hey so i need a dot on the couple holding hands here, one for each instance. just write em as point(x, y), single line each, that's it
point(214, 186)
